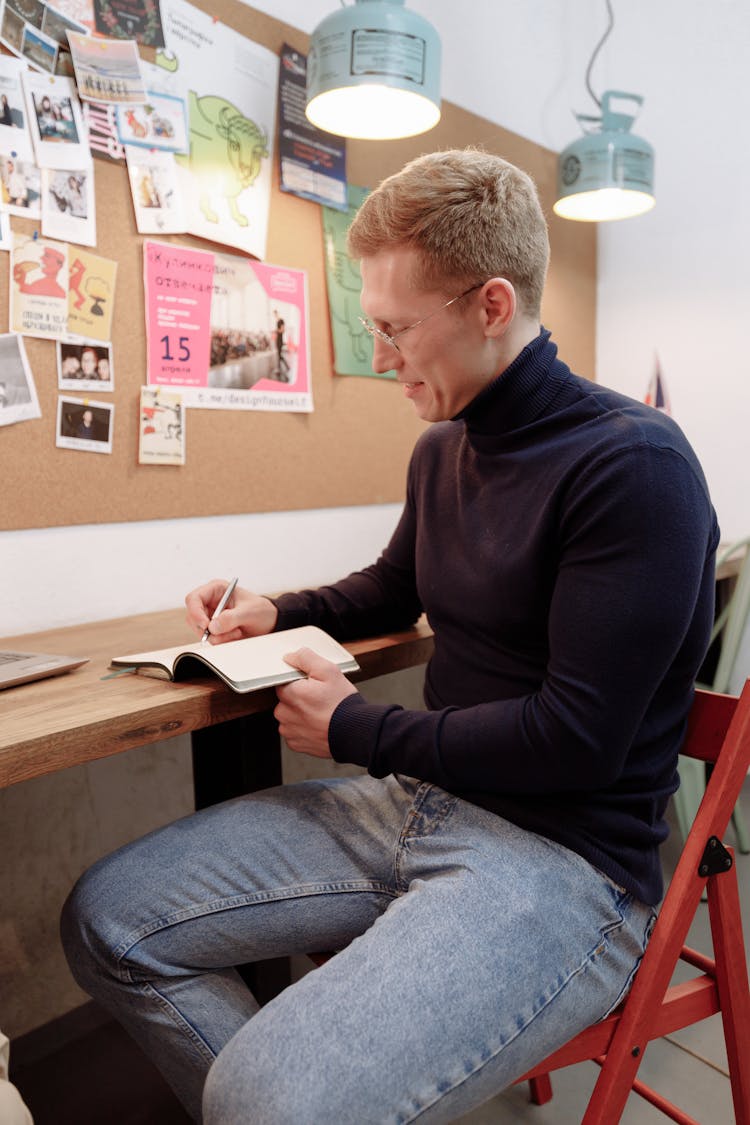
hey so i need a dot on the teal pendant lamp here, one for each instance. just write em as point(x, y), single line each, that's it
point(373, 71)
point(608, 173)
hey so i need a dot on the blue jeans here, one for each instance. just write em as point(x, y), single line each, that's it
point(470, 949)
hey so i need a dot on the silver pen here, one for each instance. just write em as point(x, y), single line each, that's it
point(224, 599)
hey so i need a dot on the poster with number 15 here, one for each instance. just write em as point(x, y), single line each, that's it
point(229, 332)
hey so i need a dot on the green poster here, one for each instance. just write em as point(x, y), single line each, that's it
point(352, 346)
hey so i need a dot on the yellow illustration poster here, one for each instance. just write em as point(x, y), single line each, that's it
point(91, 291)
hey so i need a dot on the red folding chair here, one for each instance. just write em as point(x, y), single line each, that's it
point(719, 733)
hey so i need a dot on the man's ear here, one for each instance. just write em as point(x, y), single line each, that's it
point(499, 306)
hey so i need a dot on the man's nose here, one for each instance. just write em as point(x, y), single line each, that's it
point(384, 356)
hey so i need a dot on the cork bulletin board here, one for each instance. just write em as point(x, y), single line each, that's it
point(353, 449)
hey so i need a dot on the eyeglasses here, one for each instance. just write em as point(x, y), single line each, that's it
point(381, 335)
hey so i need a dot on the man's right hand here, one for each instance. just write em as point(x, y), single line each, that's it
point(248, 615)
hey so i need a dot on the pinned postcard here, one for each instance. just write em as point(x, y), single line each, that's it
point(91, 292)
point(230, 85)
point(84, 424)
point(21, 186)
point(130, 19)
point(18, 397)
point(68, 205)
point(107, 70)
point(57, 24)
point(161, 435)
point(160, 123)
point(231, 332)
point(82, 367)
point(55, 122)
point(154, 185)
point(14, 136)
point(39, 287)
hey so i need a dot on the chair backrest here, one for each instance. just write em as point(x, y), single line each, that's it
point(732, 620)
point(718, 732)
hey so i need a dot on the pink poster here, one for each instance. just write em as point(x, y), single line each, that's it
point(231, 332)
point(178, 284)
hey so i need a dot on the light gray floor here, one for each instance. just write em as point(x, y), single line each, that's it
point(693, 1084)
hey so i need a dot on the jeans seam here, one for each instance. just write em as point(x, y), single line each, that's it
point(180, 1022)
point(233, 902)
point(503, 1046)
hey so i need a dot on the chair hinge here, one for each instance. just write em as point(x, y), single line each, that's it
point(715, 859)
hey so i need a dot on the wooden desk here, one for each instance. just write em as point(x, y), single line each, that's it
point(52, 724)
point(49, 725)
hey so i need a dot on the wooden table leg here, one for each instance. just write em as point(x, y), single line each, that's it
point(229, 760)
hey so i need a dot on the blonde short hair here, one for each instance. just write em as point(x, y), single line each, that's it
point(470, 214)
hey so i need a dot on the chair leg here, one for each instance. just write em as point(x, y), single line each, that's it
point(540, 1089)
point(732, 981)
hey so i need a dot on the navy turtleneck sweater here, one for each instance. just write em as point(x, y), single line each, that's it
point(560, 538)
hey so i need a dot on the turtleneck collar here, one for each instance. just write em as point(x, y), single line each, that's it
point(519, 394)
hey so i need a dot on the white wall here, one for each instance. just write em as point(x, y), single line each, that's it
point(671, 282)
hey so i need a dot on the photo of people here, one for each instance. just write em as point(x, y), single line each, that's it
point(55, 124)
point(84, 425)
point(82, 367)
point(54, 117)
point(20, 187)
point(68, 210)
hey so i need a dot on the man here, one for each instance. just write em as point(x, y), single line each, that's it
point(86, 428)
point(491, 881)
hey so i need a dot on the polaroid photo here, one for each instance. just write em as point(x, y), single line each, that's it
point(82, 367)
point(68, 205)
point(84, 424)
point(107, 70)
point(14, 136)
point(161, 433)
point(18, 398)
point(157, 200)
point(39, 49)
point(55, 122)
point(20, 187)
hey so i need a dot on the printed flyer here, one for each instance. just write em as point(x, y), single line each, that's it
point(230, 332)
point(229, 84)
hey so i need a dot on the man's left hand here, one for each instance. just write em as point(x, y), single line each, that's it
point(305, 706)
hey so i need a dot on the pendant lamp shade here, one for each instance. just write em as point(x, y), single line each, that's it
point(608, 173)
point(373, 71)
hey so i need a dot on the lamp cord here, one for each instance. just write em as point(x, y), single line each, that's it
point(597, 49)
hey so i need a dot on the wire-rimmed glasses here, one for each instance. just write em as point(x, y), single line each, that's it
point(373, 330)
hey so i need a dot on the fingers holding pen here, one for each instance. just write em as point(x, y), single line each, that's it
point(245, 615)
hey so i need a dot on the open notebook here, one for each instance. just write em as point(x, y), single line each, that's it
point(247, 665)
point(21, 667)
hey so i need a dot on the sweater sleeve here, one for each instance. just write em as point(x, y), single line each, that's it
point(630, 614)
